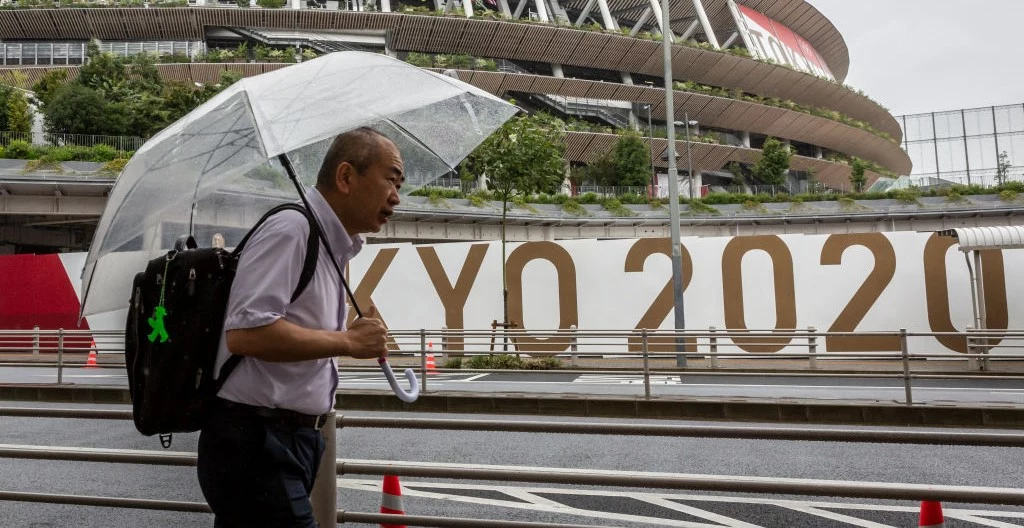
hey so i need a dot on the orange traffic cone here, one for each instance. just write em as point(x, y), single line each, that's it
point(931, 515)
point(431, 366)
point(90, 362)
point(391, 499)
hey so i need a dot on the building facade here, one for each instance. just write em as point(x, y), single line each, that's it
point(975, 146)
point(743, 70)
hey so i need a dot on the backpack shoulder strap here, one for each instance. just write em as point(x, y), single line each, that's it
point(312, 244)
point(308, 268)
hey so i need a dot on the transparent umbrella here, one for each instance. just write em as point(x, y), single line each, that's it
point(219, 168)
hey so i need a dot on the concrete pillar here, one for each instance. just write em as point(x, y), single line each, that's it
point(709, 31)
point(745, 137)
point(606, 15)
point(586, 12)
point(641, 22)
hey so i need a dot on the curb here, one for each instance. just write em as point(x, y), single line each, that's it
point(732, 410)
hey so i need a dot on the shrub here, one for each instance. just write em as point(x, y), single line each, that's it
point(573, 207)
point(114, 166)
point(615, 207)
point(699, 207)
point(19, 149)
point(1008, 195)
point(453, 363)
point(504, 362)
point(103, 153)
point(588, 198)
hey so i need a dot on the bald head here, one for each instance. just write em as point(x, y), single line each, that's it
point(359, 148)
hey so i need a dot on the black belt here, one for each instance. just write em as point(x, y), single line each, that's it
point(277, 416)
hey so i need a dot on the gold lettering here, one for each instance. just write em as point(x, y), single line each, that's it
point(453, 298)
point(868, 293)
point(568, 307)
point(369, 283)
point(785, 290)
point(662, 305)
point(936, 291)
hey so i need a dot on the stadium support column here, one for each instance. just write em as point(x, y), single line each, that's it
point(503, 5)
point(690, 30)
point(467, 6)
point(606, 16)
point(745, 138)
point(586, 12)
point(385, 6)
point(709, 31)
point(665, 28)
point(640, 22)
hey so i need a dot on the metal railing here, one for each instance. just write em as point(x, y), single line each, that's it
point(640, 352)
point(122, 143)
point(325, 490)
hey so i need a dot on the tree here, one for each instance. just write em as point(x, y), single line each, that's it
point(1003, 167)
point(857, 178)
point(77, 109)
point(19, 116)
point(632, 160)
point(601, 169)
point(771, 168)
point(48, 84)
point(523, 157)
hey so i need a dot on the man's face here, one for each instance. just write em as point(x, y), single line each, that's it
point(374, 192)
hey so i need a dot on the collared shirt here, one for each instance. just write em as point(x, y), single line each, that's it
point(268, 273)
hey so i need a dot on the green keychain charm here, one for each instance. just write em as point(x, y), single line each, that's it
point(156, 323)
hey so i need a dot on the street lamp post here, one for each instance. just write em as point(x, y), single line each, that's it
point(673, 186)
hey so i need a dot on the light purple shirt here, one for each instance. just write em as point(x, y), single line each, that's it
point(268, 273)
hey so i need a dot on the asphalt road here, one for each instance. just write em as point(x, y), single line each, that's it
point(860, 388)
point(970, 466)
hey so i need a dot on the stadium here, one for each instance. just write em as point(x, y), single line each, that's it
point(744, 71)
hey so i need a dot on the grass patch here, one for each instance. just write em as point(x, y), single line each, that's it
point(506, 362)
point(615, 207)
point(1008, 195)
point(520, 202)
point(573, 207)
point(699, 207)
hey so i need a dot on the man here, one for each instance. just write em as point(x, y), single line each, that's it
point(259, 453)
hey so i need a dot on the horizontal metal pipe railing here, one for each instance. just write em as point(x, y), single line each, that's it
point(725, 483)
point(691, 431)
point(110, 502)
point(537, 426)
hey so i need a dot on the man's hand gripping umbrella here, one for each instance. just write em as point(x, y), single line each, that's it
point(414, 387)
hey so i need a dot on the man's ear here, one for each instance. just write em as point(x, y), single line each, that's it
point(343, 177)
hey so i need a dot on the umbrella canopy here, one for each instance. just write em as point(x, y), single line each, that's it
point(214, 171)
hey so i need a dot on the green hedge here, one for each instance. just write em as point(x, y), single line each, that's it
point(1009, 192)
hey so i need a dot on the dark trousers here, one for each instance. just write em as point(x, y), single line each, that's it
point(255, 472)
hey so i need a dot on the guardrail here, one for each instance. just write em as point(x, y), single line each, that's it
point(325, 491)
point(643, 352)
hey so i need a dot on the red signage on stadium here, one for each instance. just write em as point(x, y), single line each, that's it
point(769, 39)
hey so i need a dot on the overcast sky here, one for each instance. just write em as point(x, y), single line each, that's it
point(916, 56)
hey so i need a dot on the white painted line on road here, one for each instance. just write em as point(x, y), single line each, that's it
point(667, 500)
point(986, 522)
point(474, 378)
point(697, 512)
point(534, 503)
point(855, 521)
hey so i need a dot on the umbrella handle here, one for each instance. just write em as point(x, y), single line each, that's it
point(407, 397)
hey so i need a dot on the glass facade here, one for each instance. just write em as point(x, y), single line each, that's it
point(964, 146)
point(63, 53)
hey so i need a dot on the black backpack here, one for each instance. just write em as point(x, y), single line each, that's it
point(174, 325)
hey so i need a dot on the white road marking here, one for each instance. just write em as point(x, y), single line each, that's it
point(474, 378)
point(667, 500)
